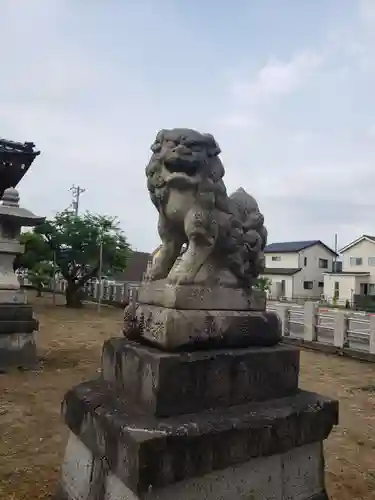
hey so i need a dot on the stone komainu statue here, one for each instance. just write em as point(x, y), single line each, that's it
point(225, 236)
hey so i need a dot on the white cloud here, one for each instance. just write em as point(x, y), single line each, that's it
point(238, 121)
point(278, 78)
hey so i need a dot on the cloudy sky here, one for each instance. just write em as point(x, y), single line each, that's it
point(287, 88)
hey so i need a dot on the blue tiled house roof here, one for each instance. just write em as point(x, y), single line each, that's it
point(294, 246)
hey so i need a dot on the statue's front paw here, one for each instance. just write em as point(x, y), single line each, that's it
point(156, 273)
point(179, 279)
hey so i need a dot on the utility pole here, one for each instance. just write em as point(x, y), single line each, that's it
point(76, 191)
point(100, 291)
point(54, 278)
point(335, 259)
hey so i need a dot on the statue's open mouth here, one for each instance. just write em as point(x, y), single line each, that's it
point(180, 180)
point(185, 166)
point(182, 174)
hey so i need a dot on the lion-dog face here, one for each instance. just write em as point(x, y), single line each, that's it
point(186, 155)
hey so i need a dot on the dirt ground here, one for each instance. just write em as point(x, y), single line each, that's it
point(33, 435)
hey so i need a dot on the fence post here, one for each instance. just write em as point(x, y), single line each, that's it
point(283, 312)
point(340, 326)
point(124, 294)
point(309, 319)
point(372, 334)
point(118, 294)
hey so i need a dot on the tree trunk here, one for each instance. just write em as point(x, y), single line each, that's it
point(74, 295)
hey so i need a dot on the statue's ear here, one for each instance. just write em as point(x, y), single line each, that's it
point(213, 148)
point(216, 169)
point(156, 146)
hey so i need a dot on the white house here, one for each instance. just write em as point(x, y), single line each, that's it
point(358, 272)
point(296, 268)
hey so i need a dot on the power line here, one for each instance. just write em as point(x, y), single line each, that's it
point(76, 191)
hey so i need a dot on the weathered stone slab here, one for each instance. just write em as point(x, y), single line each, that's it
point(173, 329)
point(17, 350)
point(161, 293)
point(12, 297)
point(295, 475)
point(18, 326)
point(143, 451)
point(166, 384)
point(16, 312)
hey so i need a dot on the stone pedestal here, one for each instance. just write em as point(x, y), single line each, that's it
point(213, 424)
point(175, 317)
point(17, 336)
point(17, 323)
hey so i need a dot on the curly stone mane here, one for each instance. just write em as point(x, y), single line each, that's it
point(185, 181)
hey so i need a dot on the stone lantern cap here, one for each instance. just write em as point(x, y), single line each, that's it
point(12, 212)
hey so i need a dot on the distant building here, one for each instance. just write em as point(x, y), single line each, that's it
point(357, 275)
point(135, 269)
point(296, 268)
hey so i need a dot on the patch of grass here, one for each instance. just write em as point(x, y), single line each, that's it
point(33, 436)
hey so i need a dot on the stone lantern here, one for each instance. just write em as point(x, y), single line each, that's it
point(17, 324)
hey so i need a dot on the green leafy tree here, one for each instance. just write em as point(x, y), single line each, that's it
point(36, 259)
point(40, 276)
point(263, 283)
point(73, 241)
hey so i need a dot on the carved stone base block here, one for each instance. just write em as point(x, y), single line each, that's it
point(161, 293)
point(271, 450)
point(172, 329)
point(17, 337)
point(166, 384)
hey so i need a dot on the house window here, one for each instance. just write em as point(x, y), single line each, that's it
point(305, 261)
point(371, 289)
point(355, 261)
point(336, 293)
point(371, 261)
point(276, 258)
point(308, 285)
point(323, 263)
point(321, 284)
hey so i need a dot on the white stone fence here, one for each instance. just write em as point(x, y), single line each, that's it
point(117, 294)
point(333, 330)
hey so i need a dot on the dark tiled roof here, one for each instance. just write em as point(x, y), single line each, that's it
point(137, 265)
point(294, 246)
point(281, 270)
point(11, 147)
point(15, 160)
